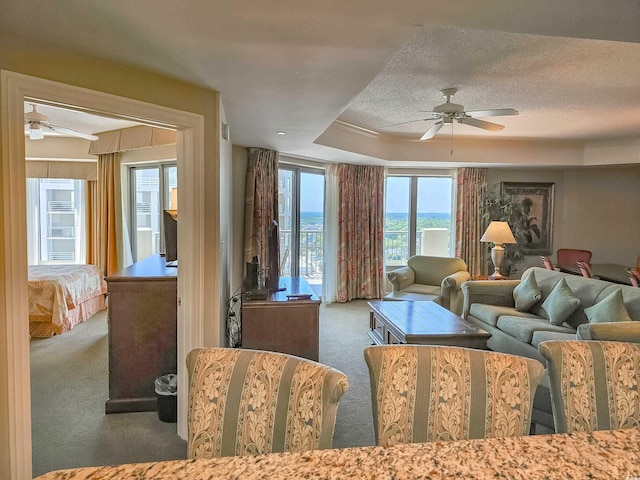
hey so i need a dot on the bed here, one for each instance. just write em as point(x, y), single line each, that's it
point(62, 296)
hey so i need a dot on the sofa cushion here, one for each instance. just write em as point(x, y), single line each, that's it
point(490, 314)
point(424, 289)
point(526, 294)
point(588, 290)
point(560, 303)
point(609, 309)
point(540, 336)
point(523, 328)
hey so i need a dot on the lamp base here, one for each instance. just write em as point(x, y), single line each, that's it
point(497, 254)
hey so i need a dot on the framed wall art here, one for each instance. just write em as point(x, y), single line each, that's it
point(537, 202)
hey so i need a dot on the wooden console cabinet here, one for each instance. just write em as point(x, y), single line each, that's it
point(279, 324)
point(142, 333)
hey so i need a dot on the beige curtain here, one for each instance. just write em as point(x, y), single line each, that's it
point(109, 217)
point(261, 203)
point(469, 225)
point(360, 232)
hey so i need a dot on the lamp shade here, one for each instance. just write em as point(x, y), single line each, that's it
point(498, 233)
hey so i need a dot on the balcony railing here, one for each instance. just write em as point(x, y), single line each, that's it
point(396, 251)
point(311, 253)
point(396, 244)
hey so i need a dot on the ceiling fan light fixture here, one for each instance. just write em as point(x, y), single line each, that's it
point(35, 131)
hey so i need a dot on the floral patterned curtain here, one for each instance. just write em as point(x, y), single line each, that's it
point(469, 224)
point(261, 209)
point(360, 232)
point(261, 203)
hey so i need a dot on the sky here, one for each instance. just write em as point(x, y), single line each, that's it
point(434, 194)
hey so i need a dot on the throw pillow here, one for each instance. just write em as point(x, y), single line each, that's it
point(527, 293)
point(560, 303)
point(609, 309)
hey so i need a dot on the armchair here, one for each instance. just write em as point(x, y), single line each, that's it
point(430, 278)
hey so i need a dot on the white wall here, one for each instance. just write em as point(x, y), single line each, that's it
point(600, 211)
point(226, 222)
point(594, 209)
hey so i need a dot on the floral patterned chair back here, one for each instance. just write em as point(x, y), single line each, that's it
point(423, 393)
point(246, 402)
point(594, 384)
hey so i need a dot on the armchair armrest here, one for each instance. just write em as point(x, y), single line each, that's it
point(455, 280)
point(491, 292)
point(613, 331)
point(401, 278)
point(450, 287)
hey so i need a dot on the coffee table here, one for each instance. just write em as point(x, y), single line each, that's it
point(425, 323)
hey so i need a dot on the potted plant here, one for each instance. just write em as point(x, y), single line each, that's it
point(498, 205)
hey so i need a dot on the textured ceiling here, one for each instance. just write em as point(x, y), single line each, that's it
point(564, 89)
point(570, 68)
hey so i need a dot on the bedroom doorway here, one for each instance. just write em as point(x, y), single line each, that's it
point(15, 410)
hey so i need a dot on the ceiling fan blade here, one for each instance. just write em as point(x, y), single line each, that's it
point(406, 123)
point(71, 132)
point(432, 131)
point(496, 112)
point(493, 127)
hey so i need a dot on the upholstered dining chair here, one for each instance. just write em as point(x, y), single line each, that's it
point(245, 402)
point(566, 256)
point(594, 384)
point(546, 261)
point(423, 393)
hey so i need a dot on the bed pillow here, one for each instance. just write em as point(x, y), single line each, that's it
point(609, 309)
point(527, 293)
point(560, 303)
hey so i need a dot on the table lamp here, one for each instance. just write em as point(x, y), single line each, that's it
point(498, 233)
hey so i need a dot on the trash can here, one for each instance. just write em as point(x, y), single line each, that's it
point(167, 393)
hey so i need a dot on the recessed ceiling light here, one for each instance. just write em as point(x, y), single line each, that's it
point(280, 132)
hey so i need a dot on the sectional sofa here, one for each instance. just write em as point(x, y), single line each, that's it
point(550, 305)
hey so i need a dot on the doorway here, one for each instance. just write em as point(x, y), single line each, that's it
point(15, 410)
point(301, 220)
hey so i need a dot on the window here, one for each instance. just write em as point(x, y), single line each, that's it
point(56, 221)
point(151, 187)
point(301, 222)
point(418, 218)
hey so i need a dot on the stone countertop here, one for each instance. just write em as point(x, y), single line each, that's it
point(603, 454)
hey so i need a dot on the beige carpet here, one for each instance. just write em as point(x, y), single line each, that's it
point(69, 385)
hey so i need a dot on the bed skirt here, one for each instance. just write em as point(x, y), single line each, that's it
point(77, 315)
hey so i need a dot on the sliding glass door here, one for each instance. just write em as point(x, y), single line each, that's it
point(301, 222)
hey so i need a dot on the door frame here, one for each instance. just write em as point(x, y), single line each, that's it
point(15, 401)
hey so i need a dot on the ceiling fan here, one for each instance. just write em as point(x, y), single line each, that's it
point(37, 123)
point(448, 112)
